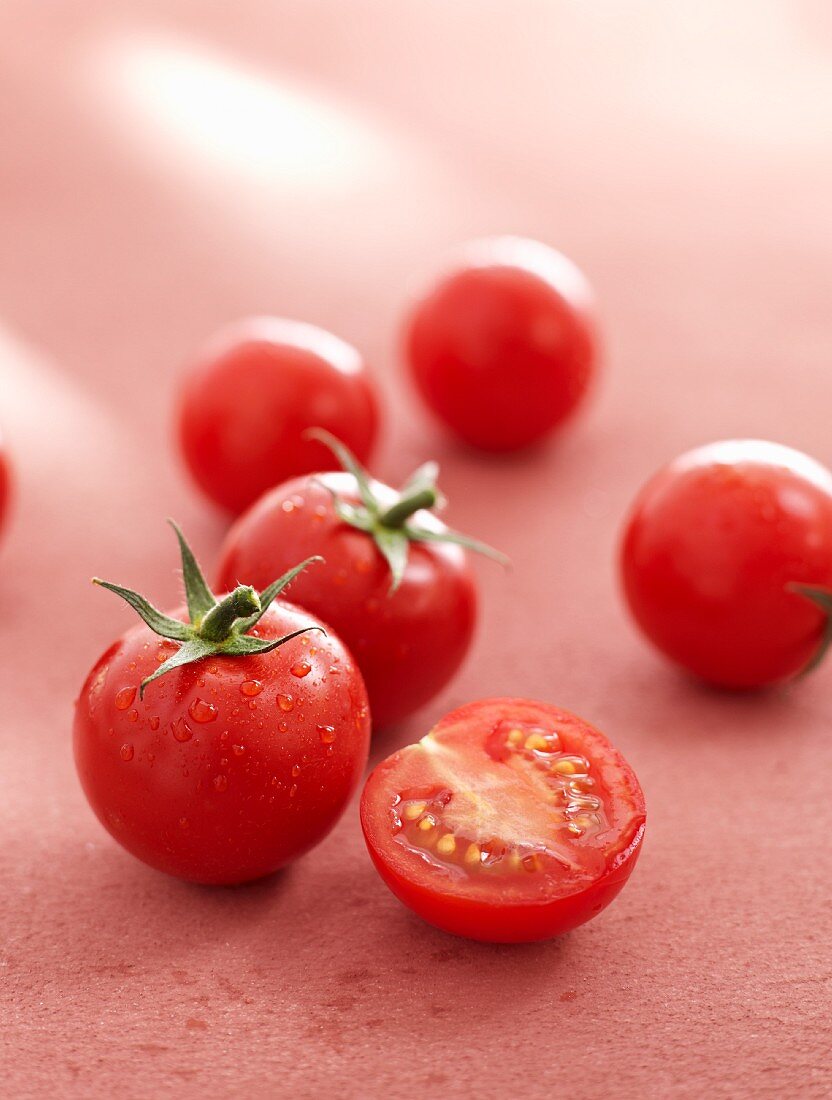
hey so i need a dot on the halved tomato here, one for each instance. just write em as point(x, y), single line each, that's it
point(511, 821)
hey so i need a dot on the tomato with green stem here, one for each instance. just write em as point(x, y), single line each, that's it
point(726, 562)
point(222, 741)
point(396, 583)
point(255, 389)
point(511, 821)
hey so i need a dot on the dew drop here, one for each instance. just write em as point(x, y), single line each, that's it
point(282, 726)
point(251, 687)
point(124, 698)
point(220, 783)
point(126, 752)
point(327, 734)
point(293, 790)
point(334, 670)
point(133, 716)
point(301, 669)
point(202, 712)
point(183, 823)
point(285, 702)
point(238, 749)
point(296, 770)
point(181, 730)
point(154, 722)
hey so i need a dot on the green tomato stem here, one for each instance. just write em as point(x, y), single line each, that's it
point(399, 513)
point(218, 623)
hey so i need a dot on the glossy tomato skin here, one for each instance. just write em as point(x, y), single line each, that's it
point(408, 644)
point(503, 348)
point(496, 912)
point(713, 542)
point(255, 389)
point(228, 768)
point(5, 485)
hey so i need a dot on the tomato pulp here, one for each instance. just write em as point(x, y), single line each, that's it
point(715, 552)
point(511, 821)
point(254, 391)
point(503, 347)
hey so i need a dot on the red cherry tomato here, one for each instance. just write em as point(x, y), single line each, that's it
point(713, 556)
point(253, 393)
point(511, 821)
point(231, 766)
point(503, 347)
point(408, 643)
point(5, 484)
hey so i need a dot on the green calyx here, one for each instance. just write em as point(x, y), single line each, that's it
point(394, 527)
point(218, 627)
point(822, 598)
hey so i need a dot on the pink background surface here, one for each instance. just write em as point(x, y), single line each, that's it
point(166, 167)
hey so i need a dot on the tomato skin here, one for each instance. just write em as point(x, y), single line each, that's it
point(503, 347)
point(234, 797)
point(712, 542)
point(408, 644)
point(5, 485)
point(502, 918)
point(256, 388)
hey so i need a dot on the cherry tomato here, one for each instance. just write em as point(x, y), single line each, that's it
point(401, 594)
point(254, 391)
point(225, 767)
point(511, 821)
point(5, 484)
point(503, 347)
point(727, 562)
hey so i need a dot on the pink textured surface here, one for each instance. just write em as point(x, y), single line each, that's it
point(680, 154)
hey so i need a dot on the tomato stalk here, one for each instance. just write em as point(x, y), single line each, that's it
point(217, 627)
point(393, 528)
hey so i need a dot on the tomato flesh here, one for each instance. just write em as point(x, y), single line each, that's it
point(712, 545)
point(511, 821)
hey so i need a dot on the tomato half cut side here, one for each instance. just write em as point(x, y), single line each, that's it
point(511, 821)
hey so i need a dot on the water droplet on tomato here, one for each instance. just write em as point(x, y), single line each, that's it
point(327, 734)
point(126, 752)
point(181, 730)
point(202, 712)
point(154, 722)
point(133, 716)
point(282, 726)
point(334, 670)
point(220, 783)
point(124, 698)
point(238, 749)
point(151, 757)
point(293, 790)
point(296, 770)
point(183, 823)
point(285, 702)
point(251, 687)
point(301, 669)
